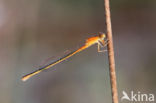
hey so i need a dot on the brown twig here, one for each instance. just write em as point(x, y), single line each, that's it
point(111, 53)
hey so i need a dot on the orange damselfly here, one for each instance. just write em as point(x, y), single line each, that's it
point(99, 40)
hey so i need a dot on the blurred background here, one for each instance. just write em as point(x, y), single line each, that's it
point(33, 30)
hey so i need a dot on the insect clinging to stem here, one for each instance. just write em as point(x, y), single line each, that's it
point(99, 40)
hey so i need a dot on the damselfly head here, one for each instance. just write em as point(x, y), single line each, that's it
point(102, 35)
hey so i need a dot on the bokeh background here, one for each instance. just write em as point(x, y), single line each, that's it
point(33, 30)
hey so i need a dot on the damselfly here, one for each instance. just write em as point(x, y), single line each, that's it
point(99, 40)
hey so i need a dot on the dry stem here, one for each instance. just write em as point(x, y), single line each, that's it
point(111, 53)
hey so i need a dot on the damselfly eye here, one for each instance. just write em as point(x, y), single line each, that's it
point(102, 35)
